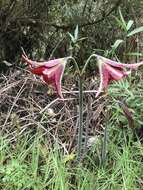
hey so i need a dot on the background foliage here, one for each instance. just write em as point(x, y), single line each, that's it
point(40, 26)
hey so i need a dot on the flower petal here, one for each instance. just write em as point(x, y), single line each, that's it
point(48, 64)
point(56, 73)
point(58, 79)
point(115, 73)
point(122, 65)
point(52, 63)
point(25, 58)
point(49, 79)
point(50, 71)
point(38, 70)
point(109, 73)
point(104, 77)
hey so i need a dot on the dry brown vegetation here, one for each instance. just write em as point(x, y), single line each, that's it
point(27, 104)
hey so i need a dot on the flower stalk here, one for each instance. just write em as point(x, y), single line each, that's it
point(104, 147)
point(80, 128)
point(87, 62)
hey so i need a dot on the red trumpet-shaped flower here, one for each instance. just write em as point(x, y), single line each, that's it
point(111, 70)
point(50, 71)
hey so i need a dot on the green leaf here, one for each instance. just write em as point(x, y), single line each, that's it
point(72, 37)
point(119, 22)
point(122, 19)
point(135, 31)
point(76, 33)
point(7, 63)
point(129, 24)
point(116, 44)
point(69, 157)
point(134, 54)
point(81, 39)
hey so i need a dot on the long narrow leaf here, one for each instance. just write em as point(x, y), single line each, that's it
point(134, 54)
point(116, 44)
point(76, 33)
point(72, 37)
point(129, 24)
point(122, 19)
point(135, 31)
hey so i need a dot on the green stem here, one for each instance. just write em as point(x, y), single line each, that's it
point(80, 132)
point(104, 147)
point(88, 60)
point(80, 126)
point(76, 65)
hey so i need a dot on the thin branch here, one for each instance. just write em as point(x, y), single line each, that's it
point(84, 8)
